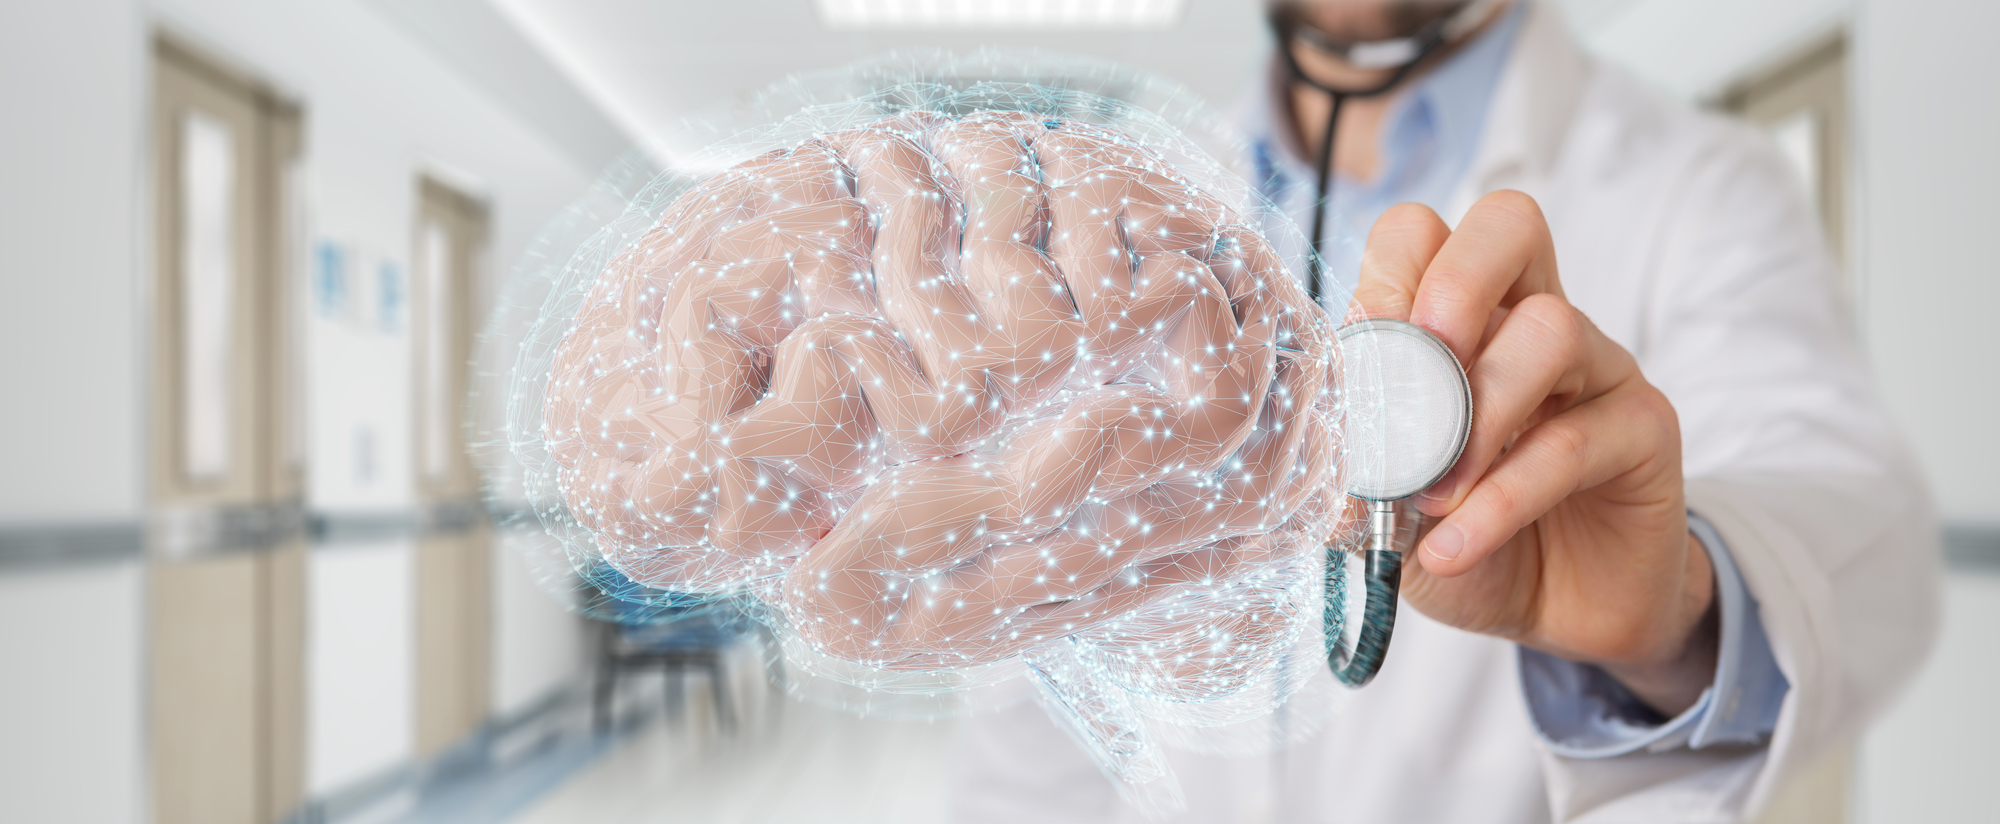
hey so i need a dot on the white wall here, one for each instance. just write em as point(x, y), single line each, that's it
point(361, 653)
point(1930, 125)
point(1932, 757)
point(538, 644)
point(71, 701)
point(71, 81)
point(72, 77)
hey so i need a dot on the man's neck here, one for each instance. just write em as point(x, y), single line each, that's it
point(1357, 153)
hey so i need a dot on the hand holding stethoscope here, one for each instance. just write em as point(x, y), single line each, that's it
point(1562, 526)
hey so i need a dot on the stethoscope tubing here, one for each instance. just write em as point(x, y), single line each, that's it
point(1382, 582)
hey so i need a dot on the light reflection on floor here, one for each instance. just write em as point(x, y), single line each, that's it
point(803, 763)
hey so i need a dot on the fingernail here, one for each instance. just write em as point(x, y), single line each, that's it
point(1445, 542)
point(1441, 491)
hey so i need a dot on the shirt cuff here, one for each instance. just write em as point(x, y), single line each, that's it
point(1582, 712)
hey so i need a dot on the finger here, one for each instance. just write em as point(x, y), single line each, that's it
point(1500, 253)
point(1400, 247)
point(1545, 357)
point(1495, 598)
point(1576, 450)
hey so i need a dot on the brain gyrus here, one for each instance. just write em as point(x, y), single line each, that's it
point(941, 389)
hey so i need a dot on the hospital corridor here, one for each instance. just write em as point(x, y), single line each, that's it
point(912, 411)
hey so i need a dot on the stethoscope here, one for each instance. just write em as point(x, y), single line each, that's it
point(1408, 403)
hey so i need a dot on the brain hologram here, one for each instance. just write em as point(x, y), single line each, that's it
point(953, 386)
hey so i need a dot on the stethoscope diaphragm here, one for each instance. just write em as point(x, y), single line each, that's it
point(1408, 408)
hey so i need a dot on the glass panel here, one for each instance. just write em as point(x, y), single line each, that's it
point(208, 293)
point(298, 271)
point(1797, 137)
point(435, 350)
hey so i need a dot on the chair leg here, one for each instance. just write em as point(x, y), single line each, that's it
point(718, 687)
point(600, 702)
point(775, 672)
point(676, 693)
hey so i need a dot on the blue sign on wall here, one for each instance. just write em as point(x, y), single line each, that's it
point(329, 278)
point(390, 296)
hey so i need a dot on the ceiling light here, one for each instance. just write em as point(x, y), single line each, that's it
point(999, 14)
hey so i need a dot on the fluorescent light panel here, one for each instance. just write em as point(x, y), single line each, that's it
point(999, 14)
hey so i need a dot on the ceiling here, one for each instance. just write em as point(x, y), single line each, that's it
point(649, 63)
point(646, 64)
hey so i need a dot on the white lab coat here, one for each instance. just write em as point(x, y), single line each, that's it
point(1684, 238)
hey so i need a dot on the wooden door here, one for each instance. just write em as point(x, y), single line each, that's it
point(226, 557)
point(453, 577)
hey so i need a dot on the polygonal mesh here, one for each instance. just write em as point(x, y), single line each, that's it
point(943, 377)
point(948, 389)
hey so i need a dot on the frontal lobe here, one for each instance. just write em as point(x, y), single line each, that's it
point(943, 389)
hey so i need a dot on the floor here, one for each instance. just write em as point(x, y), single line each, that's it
point(791, 761)
point(784, 760)
point(1931, 757)
point(816, 765)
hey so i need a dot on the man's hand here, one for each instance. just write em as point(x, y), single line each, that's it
point(1563, 525)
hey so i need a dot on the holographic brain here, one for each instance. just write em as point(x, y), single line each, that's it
point(943, 389)
point(950, 378)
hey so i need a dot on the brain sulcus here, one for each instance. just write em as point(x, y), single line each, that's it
point(940, 390)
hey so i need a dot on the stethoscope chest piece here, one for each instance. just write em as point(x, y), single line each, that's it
point(1408, 411)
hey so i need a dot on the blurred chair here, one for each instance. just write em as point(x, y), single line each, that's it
point(643, 628)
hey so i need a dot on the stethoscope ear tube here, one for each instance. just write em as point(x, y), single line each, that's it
point(1382, 582)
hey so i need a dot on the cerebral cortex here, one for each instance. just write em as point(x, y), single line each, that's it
point(941, 390)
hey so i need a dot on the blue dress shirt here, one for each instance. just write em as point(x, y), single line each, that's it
point(1431, 133)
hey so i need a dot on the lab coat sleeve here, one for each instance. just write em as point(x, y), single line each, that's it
point(1581, 712)
point(1791, 457)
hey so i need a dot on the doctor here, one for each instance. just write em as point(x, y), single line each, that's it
point(1684, 554)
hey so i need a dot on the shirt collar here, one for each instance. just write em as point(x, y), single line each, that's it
point(1444, 110)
